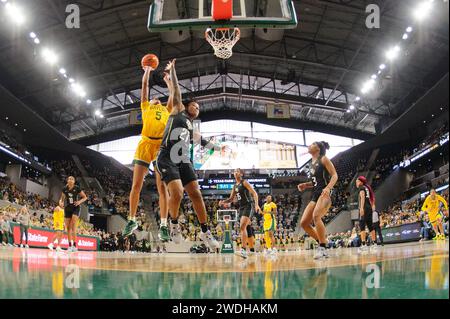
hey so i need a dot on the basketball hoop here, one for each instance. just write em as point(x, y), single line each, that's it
point(223, 41)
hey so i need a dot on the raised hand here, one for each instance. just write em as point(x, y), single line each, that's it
point(170, 65)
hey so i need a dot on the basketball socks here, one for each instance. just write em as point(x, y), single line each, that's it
point(132, 218)
point(163, 222)
point(204, 228)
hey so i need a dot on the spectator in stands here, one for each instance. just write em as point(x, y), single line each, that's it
point(5, 231)
point(24, 220)
point(426, 229)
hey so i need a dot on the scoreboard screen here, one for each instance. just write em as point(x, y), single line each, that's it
point(227, 184)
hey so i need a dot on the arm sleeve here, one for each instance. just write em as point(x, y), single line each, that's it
point(144, 105)
point(442, 200)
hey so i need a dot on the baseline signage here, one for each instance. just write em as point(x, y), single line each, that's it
point(402, 233)
point(40, 237)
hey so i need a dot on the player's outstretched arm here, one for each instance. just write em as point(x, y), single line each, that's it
point(145, 84)
point(177, 99)
point(230, 199)
point(168, 81)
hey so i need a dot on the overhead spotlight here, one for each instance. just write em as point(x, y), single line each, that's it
point(24, 129)
point(49, 56)
point(358, 98)
point(78, 89)
point(98, 113)
point(32, 35)
point(348, 111)
point(102, 116)
point(15, 13)
point(368, 86)
point(392, 53)
point(405, 36)
point(352, 107)
point(422, 10)
point(6, 118)
point(374, 76)
point(409, 29)
point(37, 41)
point(71, 80)
point(62, 71)
point(382, 66)
point(88, 101)
point(4, 1)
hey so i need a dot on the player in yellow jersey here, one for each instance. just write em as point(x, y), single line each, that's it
point(58, 227)
point(154, 119)
point(270, 223)
point(431, 206)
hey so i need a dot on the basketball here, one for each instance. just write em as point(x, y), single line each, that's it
point(226, 157)
point(150, 60)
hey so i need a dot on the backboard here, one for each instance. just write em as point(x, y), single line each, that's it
point(176, 15)
point(227, 212)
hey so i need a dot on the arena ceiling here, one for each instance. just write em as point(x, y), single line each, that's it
point(318, 68)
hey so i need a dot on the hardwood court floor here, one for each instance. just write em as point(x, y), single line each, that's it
point(412, 270)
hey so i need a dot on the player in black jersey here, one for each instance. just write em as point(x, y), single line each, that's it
point(366, 201)
point(323, 177)
point(248, 204)
point(174, 162)
point(71, 198)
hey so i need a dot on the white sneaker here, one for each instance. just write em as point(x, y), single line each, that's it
point(274, 251)
point(363, 249)
point(4, 244)
point(21, 245)
point(209, 240)
point(320, 253)
point(26, 246)
point(243, 253)
point(58, 249)
point(74, 249)
point(374, 248)
point(50, 246)
point(69, 249)
point(175, 233)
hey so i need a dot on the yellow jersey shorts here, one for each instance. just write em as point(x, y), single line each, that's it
point(147, 151)
point(435, 217)
point(270, 223)
point(58, 224)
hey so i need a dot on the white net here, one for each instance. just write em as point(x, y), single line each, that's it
point(223, 41)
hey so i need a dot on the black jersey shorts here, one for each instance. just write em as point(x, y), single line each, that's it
point(71, 210)
point(317, 193)
point(170, 171)
point(247, 210)
point(366, 220)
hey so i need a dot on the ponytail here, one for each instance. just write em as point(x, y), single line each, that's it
point(323, 146)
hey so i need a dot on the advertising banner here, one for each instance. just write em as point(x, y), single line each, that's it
point(135, 117)
point(40, 237)
point(402, 233)
point(278, 111)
